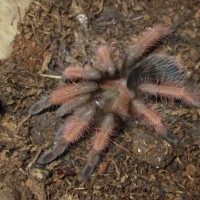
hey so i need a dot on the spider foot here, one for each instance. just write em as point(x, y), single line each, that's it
point(73, 129)
point(100, 142)
point(52, 153)
point(40, 105)
point(93, 159)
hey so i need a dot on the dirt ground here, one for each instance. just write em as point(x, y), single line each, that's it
point(138, 164)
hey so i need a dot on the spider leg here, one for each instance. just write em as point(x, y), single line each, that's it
point(100, 141)
point(147, 40)
point(105, 60)
point(73, 129)
point(71, 105)
point(71, 91)
point(150, 116)
point(62, 95)
point(77, 72)
point(40, 105)
point(172, 92)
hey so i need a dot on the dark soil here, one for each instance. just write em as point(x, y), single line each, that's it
point(138, 164)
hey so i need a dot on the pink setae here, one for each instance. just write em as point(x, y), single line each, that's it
point(109, 92)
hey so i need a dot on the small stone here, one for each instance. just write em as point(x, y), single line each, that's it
point(167, 20)
point(197, 14)
point(103, 167)
point(126, 183)
point(38, 173)
point(96, 187)
point(190, 33)
point(182, 111)
point(138, 8)
point(194, 54)
point(111, 170)
point(190, 170)
point(146, 17)
point(123, 179)
point(28, 35)
point(194, 116)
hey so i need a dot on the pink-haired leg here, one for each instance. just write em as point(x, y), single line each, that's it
point(40, 105)
point(70, 91)
point(148, 115)
point(74, 128)
point(62, 95)
point(171, 92)
point(105, 60)
point(77, 72)
point(100, 141)
point(148, 39)
point(71, 105)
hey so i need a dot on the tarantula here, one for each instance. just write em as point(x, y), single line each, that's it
point(100, 95)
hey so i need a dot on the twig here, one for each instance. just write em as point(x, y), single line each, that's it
point(50, 76)
point(121, 147)
point(20, 17)
point(116, 168)
point(21, 123)
point(34, 33)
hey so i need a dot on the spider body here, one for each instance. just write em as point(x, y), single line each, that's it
point(114, 97)
point(110, 91)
